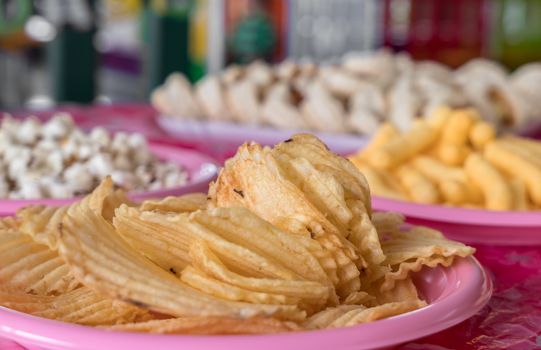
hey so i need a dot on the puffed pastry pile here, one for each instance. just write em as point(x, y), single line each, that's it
point(357, 95)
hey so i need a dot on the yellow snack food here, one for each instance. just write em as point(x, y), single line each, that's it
point(496, 190)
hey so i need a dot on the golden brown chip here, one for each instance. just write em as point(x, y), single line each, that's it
point(82, 306)
point(276, 198)
point(205, 260)
point(183, 204)
point(410, 250)
point(102, 260)
point(32, 267)
point(196, 325)
point(364, 315)
point(41, 223)
point(210, 285)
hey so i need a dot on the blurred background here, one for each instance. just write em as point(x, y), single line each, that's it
point(85, 51)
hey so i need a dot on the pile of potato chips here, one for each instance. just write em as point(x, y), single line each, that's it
point(453, 158)
point(286, 240)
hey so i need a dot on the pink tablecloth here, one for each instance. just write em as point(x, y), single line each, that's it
point(511, 320)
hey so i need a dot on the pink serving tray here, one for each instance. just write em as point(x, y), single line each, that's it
point(470, 225)
point(231, 135)
point(201, 169)
point(454, 294)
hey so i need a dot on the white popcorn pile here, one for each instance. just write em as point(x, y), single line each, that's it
point(55, 159)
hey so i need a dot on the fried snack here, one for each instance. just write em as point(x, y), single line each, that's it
point(32, 267)
point(196, 325)
point(183, 204)
point(514, 160)
point(457, 128)
point(496, 190)
point(89, 244)
point(380, 185)
point(385, 134)
point(288, 234)
point(82, 306)
point(303, 189)
point(41, 223)
point(408, 251)
point(205, 260)
point(403, 147)
point(520, 195)
point(343, 316)
point(453, 154)
point(481, 134)
point(210, 285)
point(419, 188)
point(278, 200)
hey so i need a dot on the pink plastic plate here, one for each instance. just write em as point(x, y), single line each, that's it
point(470, 225)
point(201, 170)
point(231, 135)
point(454, 294)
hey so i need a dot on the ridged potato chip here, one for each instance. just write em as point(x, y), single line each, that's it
point(82, 306)
point(278, 199)
point(197, 325)
point(32, 267)
point(210, 285)
point(308, 291)
point(41, 223)
point(183, 204)
point(410, 250)
point(102, 260)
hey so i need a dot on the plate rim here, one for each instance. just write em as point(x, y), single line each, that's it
point(477, 291)
point(456, 215)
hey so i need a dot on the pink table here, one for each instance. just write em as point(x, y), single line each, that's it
point(511, 320)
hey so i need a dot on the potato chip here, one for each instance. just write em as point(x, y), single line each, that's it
point(209, 325)
point(327, 316)
point(364, 315)
point(175, 232)
point(82, 306)
point(410, 250)
point(166, 248)
point(207, 284)
point(32, 267)
point(244, 228)
point(204, 259)
point(41, 223)
point(183, 204)
point(102, 260)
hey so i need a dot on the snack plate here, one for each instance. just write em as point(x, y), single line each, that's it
point(231, 135)
point(454, 294)
point(470, 225)
point(201, 169)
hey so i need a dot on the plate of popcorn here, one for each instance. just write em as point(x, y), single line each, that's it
point(283, 252)
point(55, 162)
point(453, 171)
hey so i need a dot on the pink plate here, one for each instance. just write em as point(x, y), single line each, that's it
point(470, 225)
point(201, 169)
point(454, 294)
point(232, 135)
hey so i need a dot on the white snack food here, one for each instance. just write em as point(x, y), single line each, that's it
point(56, 160)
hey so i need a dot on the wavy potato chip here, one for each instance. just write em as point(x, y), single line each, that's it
point(41, 223)
point(197, 325)
point(277, 199)
point(205, 260)
point(32, 267)
point(183, 204)
point(210, 285)
point(102, 260)
point(408, 251)
point(82, 306)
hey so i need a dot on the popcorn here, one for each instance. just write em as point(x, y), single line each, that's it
point(56, 160)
